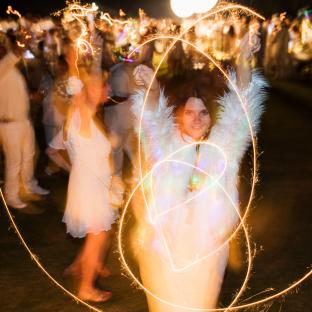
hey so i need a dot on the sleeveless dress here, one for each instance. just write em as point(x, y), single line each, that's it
point(88, 209)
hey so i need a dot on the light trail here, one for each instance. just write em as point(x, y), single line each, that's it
point(13, 12)
point(84, 45)
point(106, 17)
point(37, 261)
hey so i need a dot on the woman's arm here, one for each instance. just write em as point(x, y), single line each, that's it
point(232, 130)
point(143, 78)
point(56, 156)
point(156, 120)
point(54, 152)
point(249, 45)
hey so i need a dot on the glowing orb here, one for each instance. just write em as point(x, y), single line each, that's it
point(182, 8)
point(203, 6)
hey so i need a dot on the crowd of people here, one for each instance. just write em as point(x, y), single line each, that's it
point(53, 67)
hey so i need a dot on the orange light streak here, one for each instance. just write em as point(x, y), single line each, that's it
point(13, 12)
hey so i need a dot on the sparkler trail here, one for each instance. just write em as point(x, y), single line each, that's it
point(37, 261)
point(13, 12)
point(254, 172)
point(79, 13)
point(237, 210)
point(106, 17)
point(83, 45)
point(213, 12)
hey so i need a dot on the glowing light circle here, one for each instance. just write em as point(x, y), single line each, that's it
point(232, 306)
point(203, 6)
point(181, 8)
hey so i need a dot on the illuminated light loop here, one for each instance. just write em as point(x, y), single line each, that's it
point(231, 307)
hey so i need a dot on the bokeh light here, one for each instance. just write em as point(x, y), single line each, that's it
point(185, 8)
point(181, 8)
point(203, 6)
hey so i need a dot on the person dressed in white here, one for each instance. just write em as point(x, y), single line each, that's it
point(181, 238)
point(16, 131)
point(88, 212)
point(118, 116)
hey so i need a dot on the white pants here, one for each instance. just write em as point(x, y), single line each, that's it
point(18, 144)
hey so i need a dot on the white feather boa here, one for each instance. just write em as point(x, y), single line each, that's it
point(204, 221)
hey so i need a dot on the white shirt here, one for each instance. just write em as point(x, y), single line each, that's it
point(14, 99)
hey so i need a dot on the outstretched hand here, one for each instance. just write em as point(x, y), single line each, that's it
point(250, 43)
point(143, 77)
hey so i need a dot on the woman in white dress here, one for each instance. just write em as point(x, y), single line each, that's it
point(88, 210)
point(181, 238)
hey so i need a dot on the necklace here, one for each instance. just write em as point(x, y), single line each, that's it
point(197, 178)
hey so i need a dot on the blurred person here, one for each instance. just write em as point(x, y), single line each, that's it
point(183, 252)
point(282, 55)
point(55, 103)
point(177, 60)
point(88, 212)
point(229, 44)
point(300, 53)
point(242, 27)
point(277, 60)
point(118, 118)
point(16, 131)
point(117, 113)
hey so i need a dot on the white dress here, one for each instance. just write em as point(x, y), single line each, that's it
point(181, 238)
point(88, 209)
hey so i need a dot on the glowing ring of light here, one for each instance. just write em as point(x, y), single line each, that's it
point(252, 304)
point(37, 261)
point(141, 183)
point(250, 128)
point(295, 284)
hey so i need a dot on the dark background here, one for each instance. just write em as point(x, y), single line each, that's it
point(154, 8)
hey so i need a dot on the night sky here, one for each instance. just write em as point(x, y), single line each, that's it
point(155, 8)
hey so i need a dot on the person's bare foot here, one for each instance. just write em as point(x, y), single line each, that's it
point(72, 271)
point(104, 272)
point(94, 295)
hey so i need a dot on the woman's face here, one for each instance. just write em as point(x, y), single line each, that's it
point(195, 119)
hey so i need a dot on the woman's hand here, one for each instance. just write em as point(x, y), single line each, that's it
point(250, 43)
point(143, 77)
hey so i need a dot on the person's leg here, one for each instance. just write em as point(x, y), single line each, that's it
point(102, 269)
point(50, 133)
point(28, 155)
point(12, 134)
point(75, 268)
point(117, 159)
point(90, 258)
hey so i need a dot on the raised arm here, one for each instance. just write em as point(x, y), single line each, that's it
point(54, 152)
point(249, 45)
point(232, 130)
point(157, 122)
point(143, 77)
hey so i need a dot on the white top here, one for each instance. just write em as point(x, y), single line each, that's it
point(14, 99)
